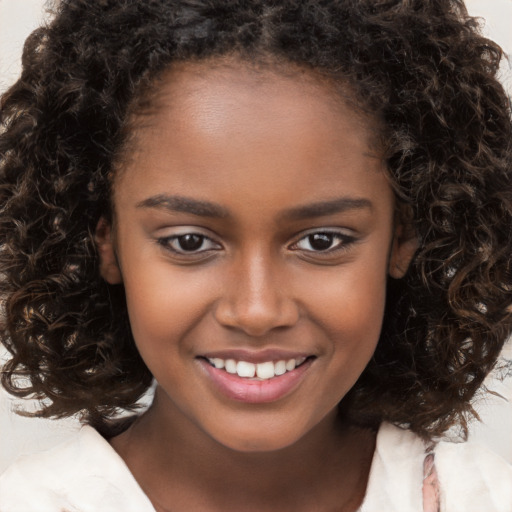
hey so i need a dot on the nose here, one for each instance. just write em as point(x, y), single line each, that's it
point(255, 300)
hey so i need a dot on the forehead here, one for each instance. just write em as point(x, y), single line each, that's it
point(213, 127)
point(202, 91)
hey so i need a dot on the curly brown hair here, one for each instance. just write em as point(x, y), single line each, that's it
point(420, 67)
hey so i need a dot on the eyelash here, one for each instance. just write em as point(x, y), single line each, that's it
point(166, 243)
point(344, 242)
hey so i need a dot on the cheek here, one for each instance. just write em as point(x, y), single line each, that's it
point(350, 300)
point(163, 305)
point(348, 308)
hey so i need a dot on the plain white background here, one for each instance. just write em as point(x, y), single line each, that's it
point(22, 435)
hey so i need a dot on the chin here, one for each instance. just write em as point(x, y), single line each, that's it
point(264, 440)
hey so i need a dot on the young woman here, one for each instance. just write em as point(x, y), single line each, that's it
point(294, 217)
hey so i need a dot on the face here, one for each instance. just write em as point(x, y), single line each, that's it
point(254, 235)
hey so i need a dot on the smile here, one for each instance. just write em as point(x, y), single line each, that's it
point(265, 379)
point(261, 371)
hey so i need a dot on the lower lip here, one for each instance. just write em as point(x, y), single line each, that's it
point(256, 391)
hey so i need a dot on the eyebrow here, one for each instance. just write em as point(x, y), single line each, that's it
point(330, 207)
point(184, 205)
point(203, 208)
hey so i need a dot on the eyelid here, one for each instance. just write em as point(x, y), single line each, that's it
point(166, 241)
point(347, 241)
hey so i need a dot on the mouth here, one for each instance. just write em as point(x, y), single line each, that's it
point(257, 371)
point(256, 382)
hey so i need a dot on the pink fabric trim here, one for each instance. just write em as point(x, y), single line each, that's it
point(430, 485)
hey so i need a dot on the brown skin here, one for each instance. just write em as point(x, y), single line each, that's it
point(260, 145)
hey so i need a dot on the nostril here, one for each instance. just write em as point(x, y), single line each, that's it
point(256, 318)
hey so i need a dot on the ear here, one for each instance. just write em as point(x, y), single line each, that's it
point(405, 244)
point(109, 267)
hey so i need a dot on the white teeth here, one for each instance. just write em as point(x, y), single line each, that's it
point(230, 365)
point(265, 370)
point(290, 364)
point(262, 371)
point(280, 367)
point(245, 369)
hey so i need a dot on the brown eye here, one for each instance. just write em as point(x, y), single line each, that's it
point(190, 242)
point(324, 242)
point(321, 241)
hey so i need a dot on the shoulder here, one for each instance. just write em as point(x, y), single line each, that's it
point(84, 474)
point(396, 474)
point(473, 478)
point(470, 477)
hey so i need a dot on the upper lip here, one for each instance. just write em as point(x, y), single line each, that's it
point(252, 356)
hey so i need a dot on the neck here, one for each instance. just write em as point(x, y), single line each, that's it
point(182, 468)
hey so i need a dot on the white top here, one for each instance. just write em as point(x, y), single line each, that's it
point(87, 475)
